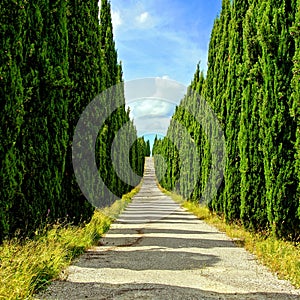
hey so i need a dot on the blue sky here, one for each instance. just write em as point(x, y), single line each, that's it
point(165, 39)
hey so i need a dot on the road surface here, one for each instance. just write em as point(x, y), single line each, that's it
point(156, 250)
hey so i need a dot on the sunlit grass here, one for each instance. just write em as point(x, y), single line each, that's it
point(29, 266)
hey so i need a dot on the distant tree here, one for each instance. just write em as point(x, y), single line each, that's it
point(148, 148)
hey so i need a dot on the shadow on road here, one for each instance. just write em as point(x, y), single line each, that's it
point(100, 291)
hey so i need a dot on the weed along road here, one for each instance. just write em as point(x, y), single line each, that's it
point(156, 250)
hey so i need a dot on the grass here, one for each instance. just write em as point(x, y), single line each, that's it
point(29, 266)
point(281, 257)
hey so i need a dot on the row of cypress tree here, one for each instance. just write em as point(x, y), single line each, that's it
point(252, 84)
point(55, 58)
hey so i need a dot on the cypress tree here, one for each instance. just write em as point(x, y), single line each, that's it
point(56, 86)
point(182, 137)
point(233, 95)
point(278, 130)
point(252, 187)
point(295, 111)
point(210, 92)
point(43, 136)
point(112, 77)
point(199, 136)
point(109, 53)
point(148, 148)
point(13, 94)
point(215, 88)
point(85, 71)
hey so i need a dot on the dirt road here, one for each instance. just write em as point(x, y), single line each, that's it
point(156, 250)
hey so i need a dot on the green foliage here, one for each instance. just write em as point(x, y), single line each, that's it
point(278, 128)
point(56, 59)
point(252, 188)
point(175, 148)
point(148, 148)
point(232, 92)
point(295, 111)
point(13, 96)
point(252, 84)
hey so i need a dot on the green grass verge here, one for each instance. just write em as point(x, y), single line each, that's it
point(281, 257)
point(29, 266)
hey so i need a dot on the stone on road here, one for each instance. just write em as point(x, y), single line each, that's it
point(157, 250)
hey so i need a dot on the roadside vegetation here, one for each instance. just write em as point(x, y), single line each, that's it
point(255, 98)
point(253, 135)
point(29, 266)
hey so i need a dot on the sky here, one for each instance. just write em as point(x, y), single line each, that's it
point(164, 39)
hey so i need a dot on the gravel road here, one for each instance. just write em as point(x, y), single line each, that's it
point(156, 250)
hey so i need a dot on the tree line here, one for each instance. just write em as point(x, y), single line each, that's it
point(56, 56)
point(252, 84)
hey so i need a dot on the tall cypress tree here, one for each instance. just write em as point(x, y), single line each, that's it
point(13, 94)
point(55, 87)
point(252, 187)
point(148, 148)
point(57, 58)
point(233, 95)
point(210, 92)
point(34, 139)
point(295, 111)
point(198, 134)
point(85, 71)
point(112, 77)
point(108, 45)
point(278, 130)
point(43, 136)
point(215, 87)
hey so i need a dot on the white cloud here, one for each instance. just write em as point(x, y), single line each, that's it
point(151, 115)
point(143, 17)
point(152, 126)
point(160, 88)
point(169, 89)
point(116, 19)
point(150, 108)
point(152, 102)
